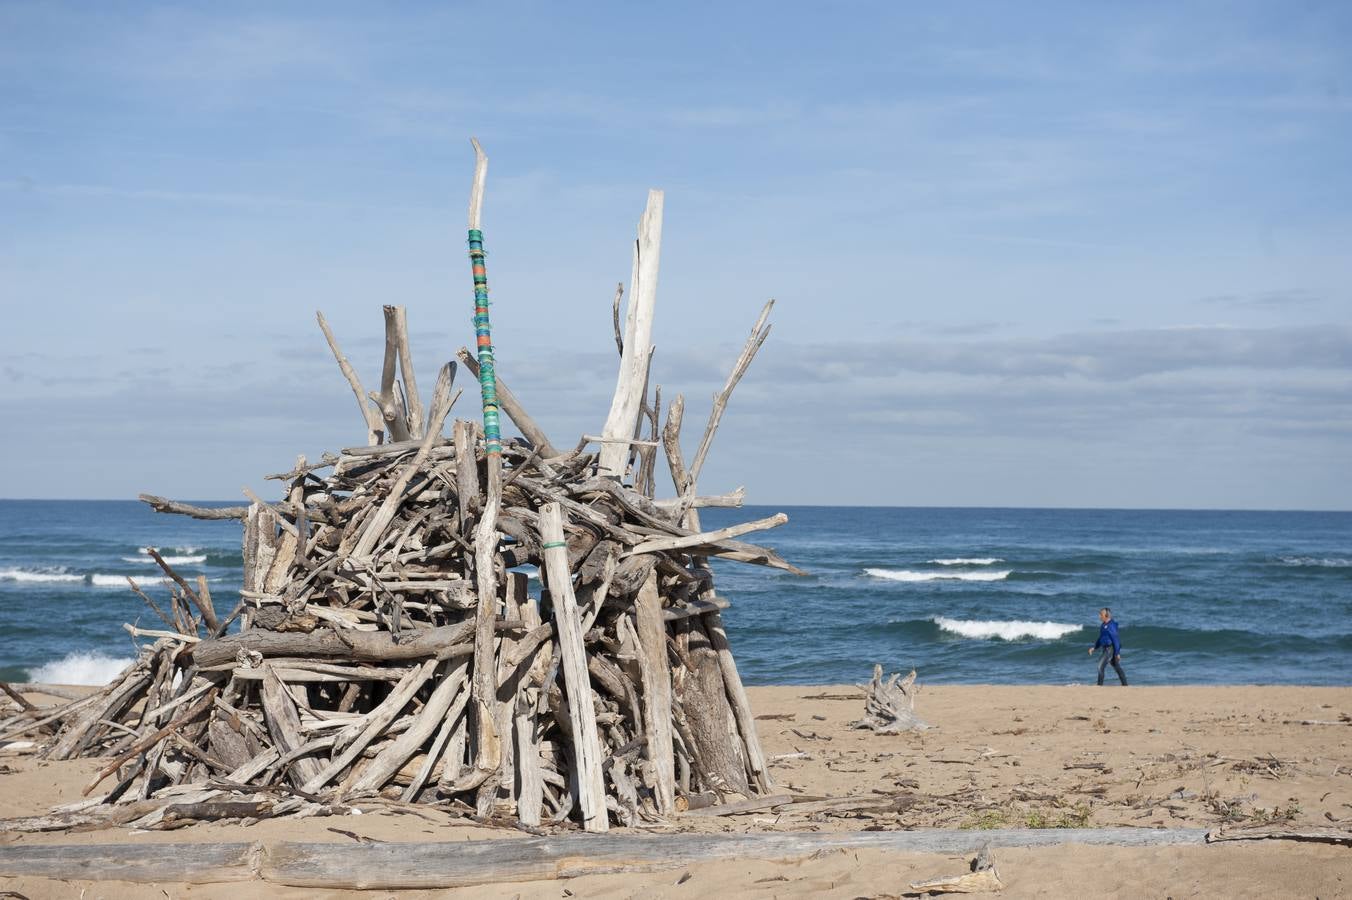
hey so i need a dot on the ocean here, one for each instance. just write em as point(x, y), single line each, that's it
point(962, 595)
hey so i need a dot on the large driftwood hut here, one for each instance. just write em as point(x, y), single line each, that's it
point(390, 643)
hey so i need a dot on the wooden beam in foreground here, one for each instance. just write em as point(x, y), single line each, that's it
point(465, 863)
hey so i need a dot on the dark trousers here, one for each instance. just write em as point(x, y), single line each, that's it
point(1117, 666)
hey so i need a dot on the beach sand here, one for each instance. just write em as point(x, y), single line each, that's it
point(1003, 756)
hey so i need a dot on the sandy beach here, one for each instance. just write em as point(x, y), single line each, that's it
point(997, 757)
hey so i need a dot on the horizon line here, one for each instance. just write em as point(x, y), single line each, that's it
point(806, 506)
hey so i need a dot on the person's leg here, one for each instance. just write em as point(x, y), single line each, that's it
point(1120, 674)
point(1106, 655)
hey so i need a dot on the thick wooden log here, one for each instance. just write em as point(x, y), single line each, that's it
point(164, 505)
point(582, 715)
point(441, 865)
point(704, 700)
point(656, 674)
point(658, 545)
point(355, 645)
point(632, 381)
point(279, 711)
point(194, 863)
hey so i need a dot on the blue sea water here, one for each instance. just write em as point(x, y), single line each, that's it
point(962, 595)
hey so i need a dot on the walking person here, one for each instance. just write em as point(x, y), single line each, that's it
point(1111, 644)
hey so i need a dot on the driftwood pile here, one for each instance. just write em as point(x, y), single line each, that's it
point(393, 645)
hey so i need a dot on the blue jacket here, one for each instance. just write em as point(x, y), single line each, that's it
point(1108, 637)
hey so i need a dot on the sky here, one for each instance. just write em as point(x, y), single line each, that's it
point(1056, 254)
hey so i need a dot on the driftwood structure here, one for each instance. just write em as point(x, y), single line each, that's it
point(390, 643)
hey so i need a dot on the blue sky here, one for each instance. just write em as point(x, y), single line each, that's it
point(1042, 255)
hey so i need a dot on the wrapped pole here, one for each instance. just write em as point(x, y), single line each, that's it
point(483, 332)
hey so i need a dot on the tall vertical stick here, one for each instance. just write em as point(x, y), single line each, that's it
point(591, 789)
point(483, 332)
point(638, 328)
point(484, 687)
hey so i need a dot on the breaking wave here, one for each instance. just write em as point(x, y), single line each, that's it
point(1006, 631)
point(974, 561)
point(83, 667)
point(47, 575)
point(60, 575)
point(908, 575)
point(1336, 562)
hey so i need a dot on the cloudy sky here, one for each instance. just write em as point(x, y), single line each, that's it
point(1024, 255)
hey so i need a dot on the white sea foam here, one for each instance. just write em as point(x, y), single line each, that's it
point(1335, 562)
point(38, 576)
point(963, 561)
point(171, 560)
point(84, 667)
point(108, 580)
point(908, 575)
point(1006, 631)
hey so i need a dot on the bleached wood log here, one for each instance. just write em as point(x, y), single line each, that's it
point(374, 428)
point(708, 537)
point(983, 878)
point(704, 701)
point(656, 675)
point(586, 748)
point(391, 408)
point(448, 864)
point(483, 685)
point(416, 420)
point(356, 645)
point(529, 768)
point(890, 707)
point(164, 505)
point(732, 499)
point(283, 722)
point(632, 381)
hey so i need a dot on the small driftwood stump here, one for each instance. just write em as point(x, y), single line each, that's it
point(982, 879)
point(890, 707)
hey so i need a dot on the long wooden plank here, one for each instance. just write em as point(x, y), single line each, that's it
point(591, 788)
point(467, 863)
point(196, 863)
point(656, 675)
point(391, 866)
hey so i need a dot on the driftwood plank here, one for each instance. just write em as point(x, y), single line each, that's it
point(632, 381)
point(392, 866)
point(466, 863)
point(195, 863)
point(656, 676)
point(590, 786)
